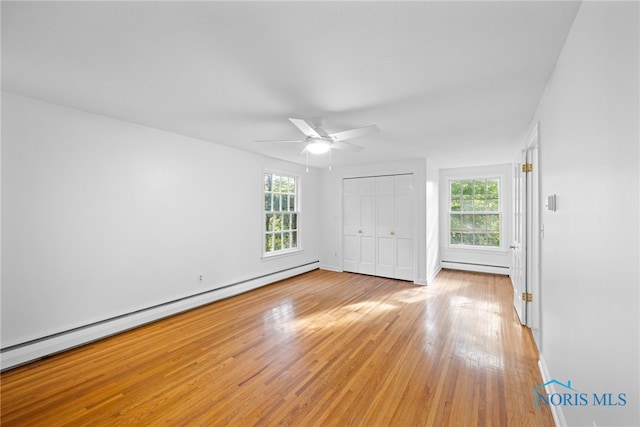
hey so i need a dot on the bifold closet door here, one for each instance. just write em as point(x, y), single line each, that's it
point(403, 227)
point(394, 226)
point(359, 225)
point(378, 226)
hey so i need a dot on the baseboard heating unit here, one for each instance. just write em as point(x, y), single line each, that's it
point(25, 352)
point(479, 268)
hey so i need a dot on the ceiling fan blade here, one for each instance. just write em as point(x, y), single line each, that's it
point(277, 140)
point(354, 133)
point(347, 146)
point(305, 127)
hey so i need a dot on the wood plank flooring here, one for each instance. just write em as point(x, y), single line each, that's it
point(321, 349)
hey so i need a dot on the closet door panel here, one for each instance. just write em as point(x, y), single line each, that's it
point(367, 226)
point(351, 238)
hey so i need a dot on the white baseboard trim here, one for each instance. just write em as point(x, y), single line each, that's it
point(330, 268)
point(36, 349)
point(556, 411)
point(478, 268)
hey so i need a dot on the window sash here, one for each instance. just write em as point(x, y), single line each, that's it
point(475, 217)
point(280, 214)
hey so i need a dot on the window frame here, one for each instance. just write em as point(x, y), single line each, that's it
point(500, 212)
point(297, 211)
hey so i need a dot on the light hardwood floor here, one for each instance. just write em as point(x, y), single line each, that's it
point(319, 349)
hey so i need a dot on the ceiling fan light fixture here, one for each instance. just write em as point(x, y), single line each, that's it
point(318, 146)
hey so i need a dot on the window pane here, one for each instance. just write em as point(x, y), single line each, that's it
point(455, 188)
point(456, 222)
point(494, 239)
point(286, 238)
point(294, 239)
point(276, 183)
point(294, 221)
point(467, 205)
point(455, 205)
point(269, 222)
point(467, 189)
point(482, 239)
point(292, 186)
point(268, 243)
point(479, 187)
point(267, 201)
point(267, 181)
point(292, 203)
point(276, 202)
point(285, 221)
point(479, 222)
point(493, 223)
point(467, 221)
point(284, 203)
point(478, 204)
point(492, 189)
point(467, 238)
point(456, 238)
point(492, 205)
point(277, 241)
point(277, 222)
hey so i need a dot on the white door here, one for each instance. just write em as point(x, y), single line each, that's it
point(359, 225)
point(385, 236)
point(518, 248)
point(367, 227)
point(350, 222)
point(378, 226)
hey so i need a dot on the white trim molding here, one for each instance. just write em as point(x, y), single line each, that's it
point(22, 353)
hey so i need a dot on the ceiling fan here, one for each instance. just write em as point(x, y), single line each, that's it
point(319, 141)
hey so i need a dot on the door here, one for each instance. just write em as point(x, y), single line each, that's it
point(379, 226)
point(404, 227)
point(385, 234)
point(519, 245)
point(525, 274)
point(359, 225)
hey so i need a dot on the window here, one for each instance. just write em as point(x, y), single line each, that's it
point(280, 213)
point(474, 212)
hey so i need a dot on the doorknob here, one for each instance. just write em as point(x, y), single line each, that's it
point(392, 233)
point(360, 231)
point(512, 247)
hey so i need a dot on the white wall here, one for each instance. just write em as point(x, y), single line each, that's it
point(589, 157)
point(331, 214)
point(433, 221)
point(102, 217)
point(495, 260)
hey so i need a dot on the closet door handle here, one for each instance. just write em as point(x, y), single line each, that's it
point(392, 232)
point(359, 231)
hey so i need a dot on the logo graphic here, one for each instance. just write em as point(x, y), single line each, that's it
point(569, 396)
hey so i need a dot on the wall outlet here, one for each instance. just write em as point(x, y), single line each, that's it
point(200, 278)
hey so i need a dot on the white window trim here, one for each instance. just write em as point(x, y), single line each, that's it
point(283, 252)
point(502, 179)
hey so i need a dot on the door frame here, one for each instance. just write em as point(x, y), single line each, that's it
point(529, 312)
point(534, 233)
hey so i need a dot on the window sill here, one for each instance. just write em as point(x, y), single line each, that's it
point(281, 254)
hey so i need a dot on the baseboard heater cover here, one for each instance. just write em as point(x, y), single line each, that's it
point(480, 268)
point(20, 354)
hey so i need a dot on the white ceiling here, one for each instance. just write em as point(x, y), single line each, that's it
point(457, 82)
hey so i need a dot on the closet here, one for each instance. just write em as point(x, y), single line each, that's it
point(378, 226)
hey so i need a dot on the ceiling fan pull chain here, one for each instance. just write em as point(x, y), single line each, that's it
point(307, 161)
point(329, 159)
